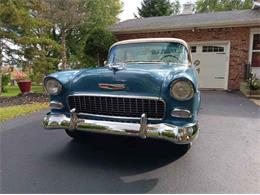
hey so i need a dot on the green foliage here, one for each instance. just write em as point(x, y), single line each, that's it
point(150, 8)
point(176, 7)
point(97, 45)
point(22, 26)
point(5, 81)
point(102, 12)
point(99, 14)
point(255, 85)
point(253, 82)
point(10, 112)
point(46, 32)
point(15, 90)
point(222, 5)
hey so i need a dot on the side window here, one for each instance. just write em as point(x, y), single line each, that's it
point(206, 49)
point(193, 49)
point(256, 51)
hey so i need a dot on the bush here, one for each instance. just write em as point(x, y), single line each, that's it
point(97, 46)
point(254, 82)
point(5, 81)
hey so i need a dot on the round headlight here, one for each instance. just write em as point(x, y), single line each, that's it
point(182, 90)
point(53, 87)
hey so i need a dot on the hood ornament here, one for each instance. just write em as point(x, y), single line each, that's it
point(112, 86)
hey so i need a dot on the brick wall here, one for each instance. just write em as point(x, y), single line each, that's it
point(239, 45)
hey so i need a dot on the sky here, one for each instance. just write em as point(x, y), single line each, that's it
point(130, 7)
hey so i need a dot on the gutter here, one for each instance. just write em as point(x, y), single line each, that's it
point(254, 23)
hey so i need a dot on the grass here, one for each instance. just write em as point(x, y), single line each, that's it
point(11, 112)
point(14, 90)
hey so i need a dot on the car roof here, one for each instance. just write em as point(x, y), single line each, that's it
point(151, 40)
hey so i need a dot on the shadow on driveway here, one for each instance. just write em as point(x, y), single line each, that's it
point(51, 163)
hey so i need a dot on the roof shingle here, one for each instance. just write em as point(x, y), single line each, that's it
point(202, 20)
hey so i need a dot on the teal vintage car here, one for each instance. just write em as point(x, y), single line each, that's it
point(147, 88)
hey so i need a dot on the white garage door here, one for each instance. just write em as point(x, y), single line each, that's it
point(213, 66)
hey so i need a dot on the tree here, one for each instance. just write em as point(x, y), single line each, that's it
point(100, 14)
point(176, 7)
point(24, 37)
point(222, 5)
point(98, 44)
point(14, 21)
point(65, 16)
point(73, 20)
point(150, 8)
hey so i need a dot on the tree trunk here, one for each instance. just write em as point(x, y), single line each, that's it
point(1, 84)
point(64, 51)
point(98, 59)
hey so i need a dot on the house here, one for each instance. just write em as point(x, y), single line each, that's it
point(224, 42)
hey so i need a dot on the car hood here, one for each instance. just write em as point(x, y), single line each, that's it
point(135, 79)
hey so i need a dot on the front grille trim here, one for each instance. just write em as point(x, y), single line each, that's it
point(130, 99)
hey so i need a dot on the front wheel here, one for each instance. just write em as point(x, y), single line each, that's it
point(76, 135)
point(184, 147)
point(70, 133)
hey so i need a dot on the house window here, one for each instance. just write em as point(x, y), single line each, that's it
point(255, 61)
point(206, 49)
point(193, 49)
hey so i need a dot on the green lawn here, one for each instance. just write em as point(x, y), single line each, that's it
point(14, 90)
point(11, 112)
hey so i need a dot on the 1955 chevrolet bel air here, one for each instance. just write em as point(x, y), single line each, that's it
point(147, 88)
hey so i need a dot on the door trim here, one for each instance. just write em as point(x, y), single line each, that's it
point(227, 43)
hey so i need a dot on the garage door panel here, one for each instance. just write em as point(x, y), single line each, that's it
point(213, 65)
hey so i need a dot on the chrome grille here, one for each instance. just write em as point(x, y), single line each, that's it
point(117, 106)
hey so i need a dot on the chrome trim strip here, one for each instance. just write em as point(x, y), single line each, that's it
point(113, 95)
point(117, 117)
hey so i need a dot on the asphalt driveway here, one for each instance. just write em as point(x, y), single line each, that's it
point(224, 159)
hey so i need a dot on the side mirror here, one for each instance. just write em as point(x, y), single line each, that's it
point(196, 63)
point(105, 63)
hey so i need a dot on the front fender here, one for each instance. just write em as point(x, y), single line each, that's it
point(191, 105)
point(64, 77)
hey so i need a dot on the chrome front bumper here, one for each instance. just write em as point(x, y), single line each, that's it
point(178, 135)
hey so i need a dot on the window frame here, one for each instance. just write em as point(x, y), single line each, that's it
point(188, 52)
point(212, 49)
point(251, 50)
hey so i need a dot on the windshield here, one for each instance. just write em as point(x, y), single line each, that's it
point(149, 52)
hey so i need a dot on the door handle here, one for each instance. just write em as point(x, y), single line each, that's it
point(219, 77)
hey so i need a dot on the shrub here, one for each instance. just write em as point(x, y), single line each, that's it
point(254, 82)
point(5, 81)
point(97, 46)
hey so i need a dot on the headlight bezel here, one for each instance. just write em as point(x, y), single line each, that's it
point(192, 91)
point(59, 86)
